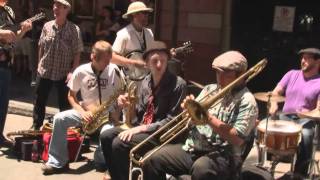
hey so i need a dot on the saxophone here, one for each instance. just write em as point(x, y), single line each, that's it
point(100, 115)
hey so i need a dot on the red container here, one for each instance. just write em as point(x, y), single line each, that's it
point(74, 140)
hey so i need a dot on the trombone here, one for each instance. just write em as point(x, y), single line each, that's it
point(196, 112)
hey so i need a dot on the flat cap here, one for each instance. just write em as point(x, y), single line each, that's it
point(230, 60)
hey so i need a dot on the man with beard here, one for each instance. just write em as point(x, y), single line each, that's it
point(302, 91)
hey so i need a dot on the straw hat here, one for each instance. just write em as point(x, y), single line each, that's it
point(64, 2)
point(136, 7)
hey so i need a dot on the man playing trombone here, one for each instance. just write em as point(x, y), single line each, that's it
point(213, 148)
point(159, 99)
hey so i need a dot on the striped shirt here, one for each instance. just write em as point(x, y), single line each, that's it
point(60, 46)
point(238, 110)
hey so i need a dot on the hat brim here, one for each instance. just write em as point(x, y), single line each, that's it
point(217, 68)
point(310, 51)
point(125, 16)
point(64, 3)
point(145, 55)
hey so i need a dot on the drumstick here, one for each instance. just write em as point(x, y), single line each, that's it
point(198, 85)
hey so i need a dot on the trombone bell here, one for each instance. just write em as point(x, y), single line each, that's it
point(197, 112)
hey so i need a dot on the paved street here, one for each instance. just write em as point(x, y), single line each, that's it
point(11, 168)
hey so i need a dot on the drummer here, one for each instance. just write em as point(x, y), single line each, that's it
point(302, 93)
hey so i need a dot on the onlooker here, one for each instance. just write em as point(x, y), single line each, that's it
point(106, 26)
point(60, 46)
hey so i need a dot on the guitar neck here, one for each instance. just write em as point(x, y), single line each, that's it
point(16, 27)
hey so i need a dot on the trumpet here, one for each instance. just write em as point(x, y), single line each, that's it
point(195, 113)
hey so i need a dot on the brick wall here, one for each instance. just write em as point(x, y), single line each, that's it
point(199, 21)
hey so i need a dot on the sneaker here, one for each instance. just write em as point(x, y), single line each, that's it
point(48, 170)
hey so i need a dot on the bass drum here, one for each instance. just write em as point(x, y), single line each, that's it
point(135, 73)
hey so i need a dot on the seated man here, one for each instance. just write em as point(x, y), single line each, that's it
point(212, 150)
point(159, 99)
point(97, 81)
point(302, 91)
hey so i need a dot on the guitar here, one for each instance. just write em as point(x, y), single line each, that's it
point(186, 48)
point(16, 27)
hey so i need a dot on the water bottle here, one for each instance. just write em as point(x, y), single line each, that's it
point(35, 151)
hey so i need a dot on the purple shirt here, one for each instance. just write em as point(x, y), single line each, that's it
point(301, 93)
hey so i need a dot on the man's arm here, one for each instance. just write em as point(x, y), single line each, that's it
point(278, 91)
point(122, 61)
point(226, 131)
point(72, 98)
point(7, 36)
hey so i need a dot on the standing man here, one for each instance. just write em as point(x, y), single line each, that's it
point(302, 91)
point(134, 36)
point(60, 46)
point(97, 81)
point(212, 150)
point(160, 96)
point(7, 37)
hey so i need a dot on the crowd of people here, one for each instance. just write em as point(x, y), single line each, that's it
point(210, 149)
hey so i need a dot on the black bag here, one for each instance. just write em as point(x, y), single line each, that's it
point(23, 146)
point(251, 172)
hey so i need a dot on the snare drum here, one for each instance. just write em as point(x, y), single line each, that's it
point(283, 136)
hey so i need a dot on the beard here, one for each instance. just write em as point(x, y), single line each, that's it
point(305, 67)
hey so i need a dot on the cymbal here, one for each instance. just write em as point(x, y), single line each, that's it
point(264, 96)
point(313, 114)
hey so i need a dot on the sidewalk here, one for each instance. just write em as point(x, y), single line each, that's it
point(22, 95)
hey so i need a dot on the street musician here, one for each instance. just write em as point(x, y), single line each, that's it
point(212, 150)
point(135, 36)
point(302, 91)
point(159, 99)
point(7, 36)
point(97, 81)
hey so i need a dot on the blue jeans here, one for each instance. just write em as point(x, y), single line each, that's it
point(305, 147)
point(5, 78)
point(58, 148)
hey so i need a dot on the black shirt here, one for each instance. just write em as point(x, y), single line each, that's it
point(170, 92)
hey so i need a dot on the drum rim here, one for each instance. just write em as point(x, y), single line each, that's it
point(262, 129)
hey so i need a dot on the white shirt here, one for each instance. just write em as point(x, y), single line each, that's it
point(85, 80)
point(128, 39)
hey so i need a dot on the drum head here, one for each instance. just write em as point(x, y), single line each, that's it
point(133, 72)
point(280, 127)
